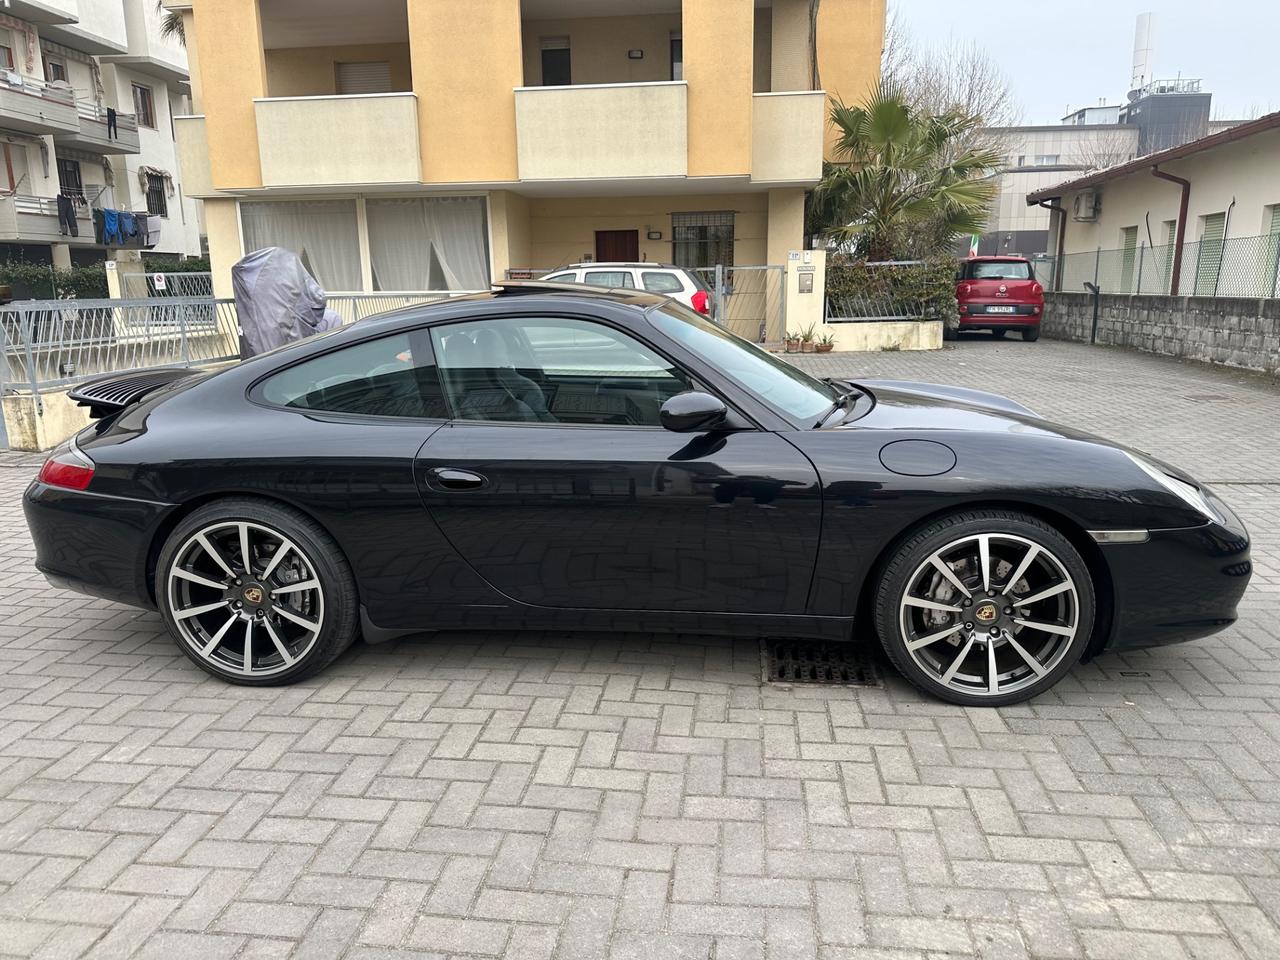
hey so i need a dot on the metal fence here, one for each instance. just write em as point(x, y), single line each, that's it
point(54, 343)
point(1234, 267)
point(137, 286)
point(879, 300)
point(749, 300)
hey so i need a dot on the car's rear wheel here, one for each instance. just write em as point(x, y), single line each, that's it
point(1031, 334)
point(985, 608)
point(999, 332)
point(256, 593)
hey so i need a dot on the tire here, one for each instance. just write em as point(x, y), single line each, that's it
point(999, 332)
point(1030, 334)
point(297, 610)
point(949, 333)
point(943, 650)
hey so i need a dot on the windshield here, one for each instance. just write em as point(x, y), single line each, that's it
point(789, 390)
point(1000, 270)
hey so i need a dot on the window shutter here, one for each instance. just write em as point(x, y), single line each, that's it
point(1209, 263)
point(364, 78)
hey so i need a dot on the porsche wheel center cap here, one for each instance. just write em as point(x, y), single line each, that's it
point(253, 595)
point(986, 613)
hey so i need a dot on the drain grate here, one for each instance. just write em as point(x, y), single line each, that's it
point(816, 661)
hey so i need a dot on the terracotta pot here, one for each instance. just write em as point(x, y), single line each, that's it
point(793, 346)
point(806, 346)
point(826, 347)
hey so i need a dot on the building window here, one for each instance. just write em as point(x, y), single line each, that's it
point(1271, 272)
point(702, 239)
point(69, 181)
point(555, 62)
point(157, 196)
point(1128, 257)
point(144, 105)
point(55, 71)
point(323, 233)
point(1047, 159)
point(6, 50)
point(428, 243)
point(677, 56)
point(1209, 261)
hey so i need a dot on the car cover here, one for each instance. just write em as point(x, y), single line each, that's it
point(277, 301)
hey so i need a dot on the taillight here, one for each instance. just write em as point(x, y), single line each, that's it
point(701, 302)
point(1036, 290)
point(964, 290)
point(68, 468)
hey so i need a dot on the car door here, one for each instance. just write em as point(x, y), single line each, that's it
point(556, 482)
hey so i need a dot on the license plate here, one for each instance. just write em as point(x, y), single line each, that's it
point(1002, 309)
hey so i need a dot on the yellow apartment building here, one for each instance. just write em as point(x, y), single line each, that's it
point(410, 145)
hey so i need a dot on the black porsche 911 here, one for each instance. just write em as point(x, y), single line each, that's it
point(554, 457)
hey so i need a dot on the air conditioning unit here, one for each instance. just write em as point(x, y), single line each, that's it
point(1088, 205)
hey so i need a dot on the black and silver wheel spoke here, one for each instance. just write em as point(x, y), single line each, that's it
point(245, 598)
point(989, 614)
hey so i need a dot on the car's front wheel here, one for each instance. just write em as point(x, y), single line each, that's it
point(985, 608)
point(256, 593)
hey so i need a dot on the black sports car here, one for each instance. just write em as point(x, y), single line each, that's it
point(555, 457)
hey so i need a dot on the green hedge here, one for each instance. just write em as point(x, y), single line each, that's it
point(930, 284)
point(39, 281)
point(161, 263)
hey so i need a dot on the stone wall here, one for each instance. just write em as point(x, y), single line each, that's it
point(1237, 332)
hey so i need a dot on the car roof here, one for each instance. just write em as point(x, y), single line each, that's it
point(527, 293)
point(998, 258)
point(621, 263)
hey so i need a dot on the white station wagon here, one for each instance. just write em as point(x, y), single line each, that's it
point(678, 283)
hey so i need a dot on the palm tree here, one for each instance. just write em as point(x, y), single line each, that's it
point(905, 183)
point(171, 24)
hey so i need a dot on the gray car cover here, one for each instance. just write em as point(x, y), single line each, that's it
point(277, 301)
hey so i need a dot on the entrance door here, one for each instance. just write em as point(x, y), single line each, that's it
point(557, 484)
point(617, 246)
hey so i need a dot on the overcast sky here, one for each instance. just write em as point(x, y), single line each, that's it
point(1071, 52)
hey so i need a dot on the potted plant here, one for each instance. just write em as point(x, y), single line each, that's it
point(792, 343)
point(826, 343)
point(806, 339)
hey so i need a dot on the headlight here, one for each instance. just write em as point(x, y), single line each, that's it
point(1188, 493)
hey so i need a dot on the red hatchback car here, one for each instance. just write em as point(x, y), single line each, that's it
point(1000, 294)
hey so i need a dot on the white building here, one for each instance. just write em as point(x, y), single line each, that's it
point(67, 69)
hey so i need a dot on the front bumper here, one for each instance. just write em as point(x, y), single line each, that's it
point(93, 544)
point(1180, 584)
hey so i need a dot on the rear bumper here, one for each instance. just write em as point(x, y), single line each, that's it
point(1024, 315)
point(93, 544)
point(1180, 584)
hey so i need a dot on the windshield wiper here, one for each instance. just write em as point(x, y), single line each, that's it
point(838, 404)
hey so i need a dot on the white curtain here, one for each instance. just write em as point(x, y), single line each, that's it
point(323, 233)
point(428, 243)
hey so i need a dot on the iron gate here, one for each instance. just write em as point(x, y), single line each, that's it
point(749, 301)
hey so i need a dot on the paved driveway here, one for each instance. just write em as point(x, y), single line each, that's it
point(625, 796)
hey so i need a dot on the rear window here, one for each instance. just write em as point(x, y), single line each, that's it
point(659, 281)
point(998, 270)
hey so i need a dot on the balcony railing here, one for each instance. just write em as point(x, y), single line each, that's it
point(338, 140)
point(29, 219)
point(602, 131)
point(93, 132)
point(31, 106)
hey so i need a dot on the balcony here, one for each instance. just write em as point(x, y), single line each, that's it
point(29, 106)
point(92, 133)
point(28, 219)
point(602, 131)
point(339, 140)
point(786, 137)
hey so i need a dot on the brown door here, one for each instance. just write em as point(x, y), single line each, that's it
point(617, 246)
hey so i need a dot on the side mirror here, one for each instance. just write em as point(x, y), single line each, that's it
point(692, 413)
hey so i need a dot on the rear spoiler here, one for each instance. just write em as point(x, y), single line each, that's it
point(107, 395)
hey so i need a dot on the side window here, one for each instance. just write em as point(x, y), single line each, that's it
point(609, 278)
point(552, 370)
point(661, 282)
point(562, 278)
point(388, 377)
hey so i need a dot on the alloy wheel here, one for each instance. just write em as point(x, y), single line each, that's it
point(989, 614)
point(245, 598)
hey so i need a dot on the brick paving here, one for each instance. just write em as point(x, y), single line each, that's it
point(642, 796)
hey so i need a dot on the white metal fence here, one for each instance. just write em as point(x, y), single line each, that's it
point(138, 286)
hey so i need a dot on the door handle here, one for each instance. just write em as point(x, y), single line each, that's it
point(451, 478)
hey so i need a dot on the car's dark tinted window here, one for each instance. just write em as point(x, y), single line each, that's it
point(552, 370)
point(389, 377)
point(998, 270)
